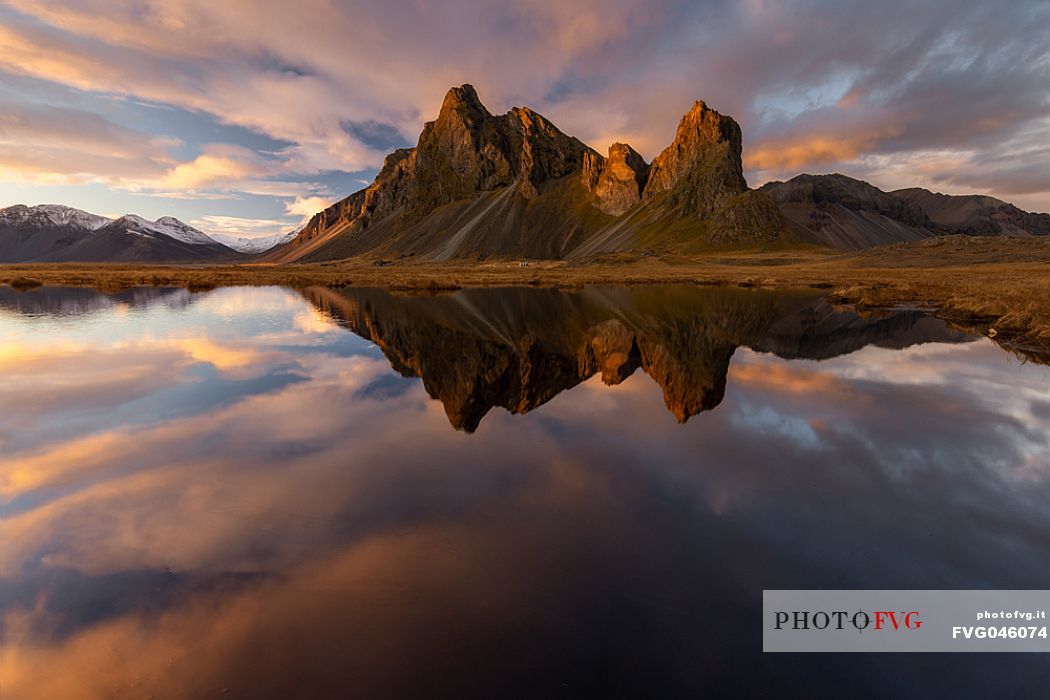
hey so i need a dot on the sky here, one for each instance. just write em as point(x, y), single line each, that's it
point(246, 117)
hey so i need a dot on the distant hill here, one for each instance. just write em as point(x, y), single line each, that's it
point(842, 212)
point(55, 233)
point(974, 214)
point(513, 185)
point(253, 246)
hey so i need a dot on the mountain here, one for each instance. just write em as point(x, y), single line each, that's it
point(53, 233)
point(513, 185)
point(849, 214)
point(27, 233)
point(253, 246)
point(51, 215)
point(974, 214)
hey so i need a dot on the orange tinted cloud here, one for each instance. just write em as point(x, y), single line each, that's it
point(622, 69)
point(217, 166)
point(812, 149)
point(778, 376)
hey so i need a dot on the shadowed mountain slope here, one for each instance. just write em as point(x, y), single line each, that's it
point(513, 185)
point(841, 212)
point(974, 214)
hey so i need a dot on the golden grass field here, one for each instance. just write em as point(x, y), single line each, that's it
point(998, 286)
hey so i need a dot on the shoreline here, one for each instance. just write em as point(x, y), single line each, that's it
point(998, 287)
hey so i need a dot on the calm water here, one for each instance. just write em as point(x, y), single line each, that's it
point(257, 493)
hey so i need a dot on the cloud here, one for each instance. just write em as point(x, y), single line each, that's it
point(816, 85)
point(219, 165)
point(305, 207)
point(806, 152)
point(54, 143)
point(48, 144)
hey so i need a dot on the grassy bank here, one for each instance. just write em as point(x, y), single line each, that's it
point(999, 286)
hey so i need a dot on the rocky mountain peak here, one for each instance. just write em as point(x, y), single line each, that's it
point(463, 103)
point(467, 150)
point(622, 178)
point(514, 184)
point(702, 165)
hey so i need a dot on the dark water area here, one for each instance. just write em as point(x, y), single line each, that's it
point(270, 493)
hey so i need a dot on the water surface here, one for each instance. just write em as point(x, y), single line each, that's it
point(259, 492)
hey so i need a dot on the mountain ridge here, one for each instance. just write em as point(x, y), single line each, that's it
point(57, 233)
point(478, 185)
point(513, 185)
point(846, 213)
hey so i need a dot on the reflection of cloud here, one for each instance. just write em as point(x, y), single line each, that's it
point(223, 357)
point(127, 364)
point(125, 477)
point(379, 533)
point(211, 642)
point(778, 376)
point(90, 379)
point(93, 377)
point(315, 321)
point(22, 475)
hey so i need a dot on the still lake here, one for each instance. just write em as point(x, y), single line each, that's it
point(264, 492)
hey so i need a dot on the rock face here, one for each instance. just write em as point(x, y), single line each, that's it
point(380, 199)
point(434, 201)
point(467, 150)
point(701, 168)
point(518, 348)
point(842, 212)
point(622, 178)
point(513, 185)
point(479, 185)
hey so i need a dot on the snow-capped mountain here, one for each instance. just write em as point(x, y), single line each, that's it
point(254, 245)
point(54, 233)
point(167, 226)
point(45, 215)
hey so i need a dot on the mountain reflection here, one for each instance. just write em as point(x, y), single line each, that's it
point(517, 348)
point(237, 497)
point(79, 301)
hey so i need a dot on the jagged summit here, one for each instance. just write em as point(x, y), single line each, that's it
point(467, 150)
point(621, 179)
point(464, 101)
point(514, 185)
point(702, 165)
